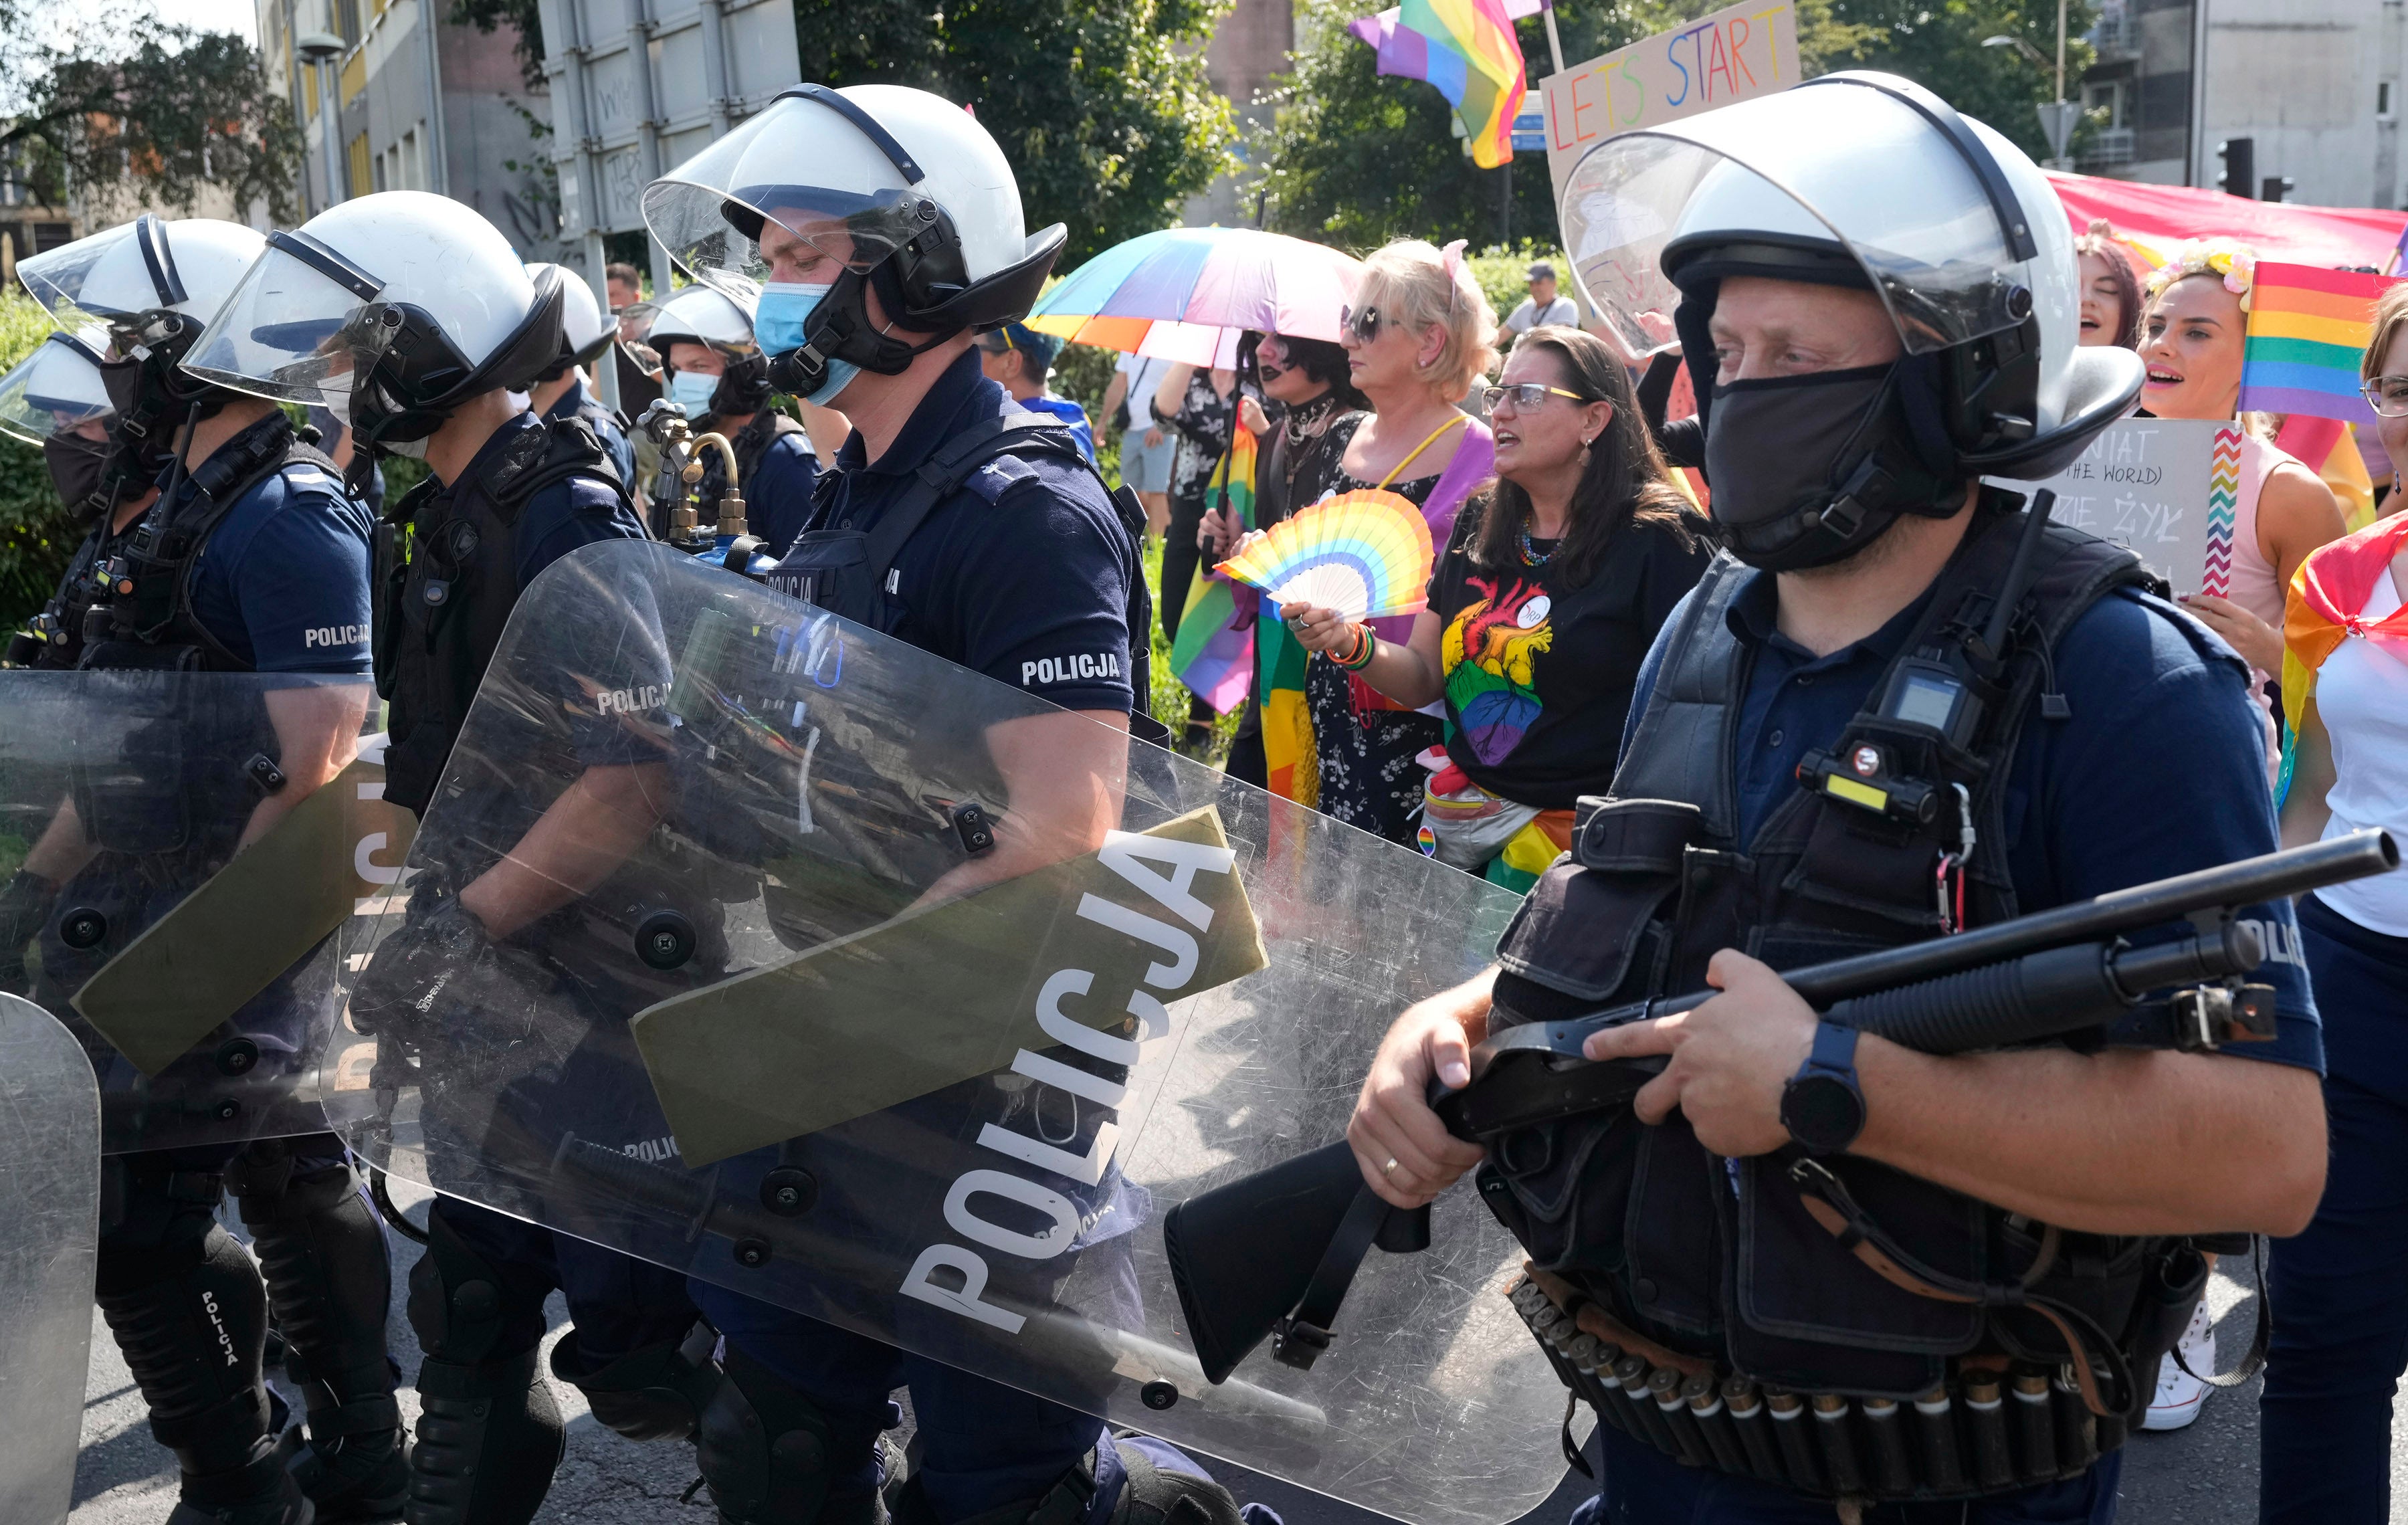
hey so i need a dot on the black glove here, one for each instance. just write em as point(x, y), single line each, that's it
point(24, 906)
point(428, 968)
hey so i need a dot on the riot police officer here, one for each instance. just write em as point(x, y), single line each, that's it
point(411, 312)
point(887, 227)
point(218, 544)
point(561, 390)
point(720, 377)
point(1936, 1278)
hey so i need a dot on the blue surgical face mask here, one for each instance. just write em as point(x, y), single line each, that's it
point(691, 390)
point(778, 324)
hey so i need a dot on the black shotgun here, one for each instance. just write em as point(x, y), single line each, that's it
point(1271, 1254)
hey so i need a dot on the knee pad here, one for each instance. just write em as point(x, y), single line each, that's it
point(488, 1439)
point(322, 1255)
point(771, 1455)
point(1168, 1487)
point(457, 1301)
point(655, 1393)
point(191, 1321)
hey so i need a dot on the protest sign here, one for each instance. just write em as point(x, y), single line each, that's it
point(1750, 49)
point(2166, 487)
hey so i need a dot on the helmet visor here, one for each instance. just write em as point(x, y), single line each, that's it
point(1820, 166)
point(295, 330)
point(56, 387)
point(110, 277)
point(798, 193)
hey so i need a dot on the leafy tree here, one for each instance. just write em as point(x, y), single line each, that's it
point(1102, 106)
point(1354, 159)
point(119, 99)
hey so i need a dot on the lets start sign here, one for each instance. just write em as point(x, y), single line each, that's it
point(1730, 55)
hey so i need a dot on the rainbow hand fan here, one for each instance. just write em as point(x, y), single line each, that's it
point(1362, 554)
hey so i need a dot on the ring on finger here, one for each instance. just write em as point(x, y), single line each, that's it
point(1389, 1167)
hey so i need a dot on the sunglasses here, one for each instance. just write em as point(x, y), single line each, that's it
point(1529, 395)
point(1364, 325)
point(995, 343)
point(2387, 395)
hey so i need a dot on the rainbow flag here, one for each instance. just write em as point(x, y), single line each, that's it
point(2307, 328)
point(1290, 761)
point(1467, 49)
point(1213, 652)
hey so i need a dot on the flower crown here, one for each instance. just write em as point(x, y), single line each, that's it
point(2237, 263)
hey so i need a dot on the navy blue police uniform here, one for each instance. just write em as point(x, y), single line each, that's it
point(477, 1298)
point(576, 402)
point(278, 584)
point(1023, 574)
point(2084, 813)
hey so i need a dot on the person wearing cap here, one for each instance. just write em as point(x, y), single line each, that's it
point(1899, 1255)
point(1542, 307)
point(1020, 360)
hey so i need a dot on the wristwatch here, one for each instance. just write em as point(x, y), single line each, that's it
point(1823, 1106)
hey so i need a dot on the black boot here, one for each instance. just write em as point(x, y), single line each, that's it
point(190, 1318)
point(489, 1433)
point(323, 1254)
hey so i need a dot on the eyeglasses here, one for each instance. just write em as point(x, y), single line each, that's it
point(2387, 395)
point(1364, 325)
point(998, 342)
point(1529, 395)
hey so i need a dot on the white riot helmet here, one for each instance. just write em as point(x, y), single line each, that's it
point(392, 309)
point(150, 287)
point(585, 333)
point(148, 266)
point(701, 315)
point(1870, 181)
point(54, 398)
point(831, 193)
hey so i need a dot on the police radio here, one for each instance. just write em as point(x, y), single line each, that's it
point(1933, 704)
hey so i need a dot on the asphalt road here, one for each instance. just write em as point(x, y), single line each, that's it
point(2206, 1475)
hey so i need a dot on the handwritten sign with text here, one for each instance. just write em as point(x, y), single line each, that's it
point(1750, 49)
point(2166, 487)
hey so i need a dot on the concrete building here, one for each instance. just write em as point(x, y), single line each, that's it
point(1249, 47)
point(401, 109)
point(2314, 84)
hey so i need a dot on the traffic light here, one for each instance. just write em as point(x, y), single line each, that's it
point(2240, 156)
point(2278, 188)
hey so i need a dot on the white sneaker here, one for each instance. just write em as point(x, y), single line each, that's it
point(2180, 1396)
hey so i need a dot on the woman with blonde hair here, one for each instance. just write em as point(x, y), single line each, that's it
point(1417, 335)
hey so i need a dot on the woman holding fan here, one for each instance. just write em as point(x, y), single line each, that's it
point(1417, 335)
point(1541, 610)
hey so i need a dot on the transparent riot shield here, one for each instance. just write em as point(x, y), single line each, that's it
point(776, 951)
point(50, 1227)
point(178, 849)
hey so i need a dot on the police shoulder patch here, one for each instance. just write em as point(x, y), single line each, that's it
point(999, 476)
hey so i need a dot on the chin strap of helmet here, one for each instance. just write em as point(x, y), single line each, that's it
point(743, 389)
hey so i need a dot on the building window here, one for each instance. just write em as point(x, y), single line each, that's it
point(382, 181)
point(2383, 111)
point(360, 165)
point(413, 178)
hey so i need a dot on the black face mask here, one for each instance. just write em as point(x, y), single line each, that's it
point(80, 470)
point(743, 389)
point(1807, 470)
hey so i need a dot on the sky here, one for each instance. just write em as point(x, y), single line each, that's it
point(212, 15)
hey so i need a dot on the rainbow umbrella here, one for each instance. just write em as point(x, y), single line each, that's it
point(1187, 294)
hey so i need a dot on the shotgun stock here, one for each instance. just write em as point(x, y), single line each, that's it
point(1270, 1255)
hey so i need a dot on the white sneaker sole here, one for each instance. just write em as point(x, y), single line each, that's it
point(2175, 1415)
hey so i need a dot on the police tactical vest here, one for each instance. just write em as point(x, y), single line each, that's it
point(1837, 1276)
point(126, 600)
point(850, 572)
point(446, 581)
